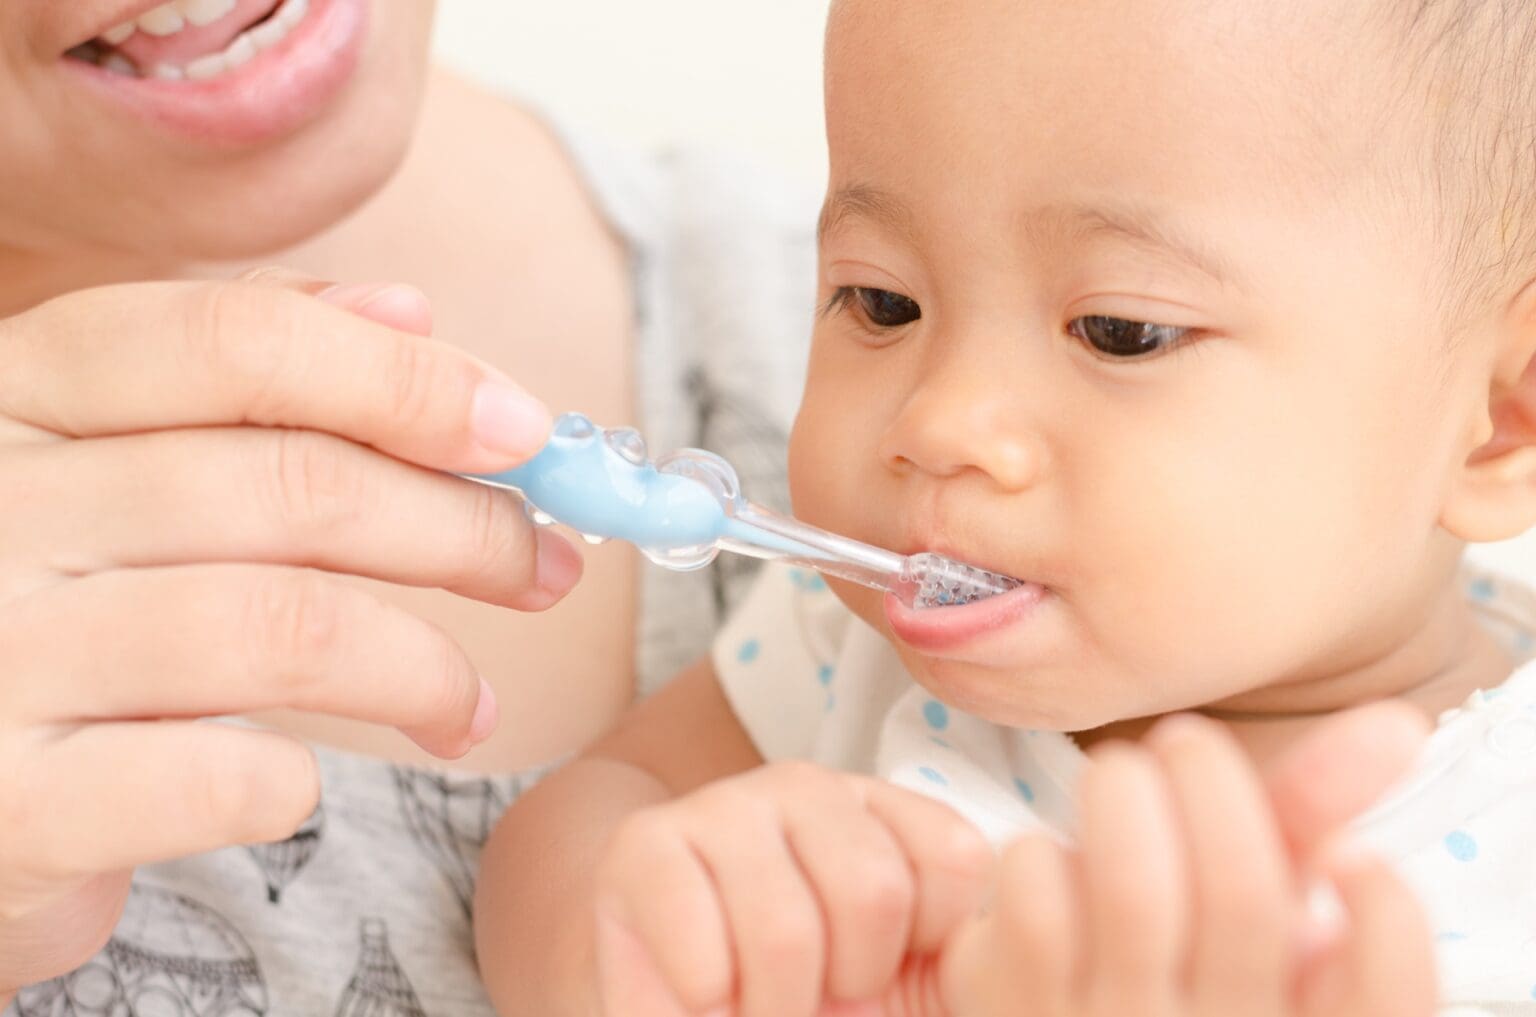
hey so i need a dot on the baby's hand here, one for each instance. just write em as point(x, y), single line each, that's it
point(779, 892)
point(1185, 900)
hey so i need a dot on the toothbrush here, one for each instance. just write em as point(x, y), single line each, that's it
point(686, 507)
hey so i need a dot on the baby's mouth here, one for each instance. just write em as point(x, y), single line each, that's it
point(192, 40)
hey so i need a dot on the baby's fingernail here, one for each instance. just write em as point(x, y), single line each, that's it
point(509, 421)
point(487, 713)
point(559, 564)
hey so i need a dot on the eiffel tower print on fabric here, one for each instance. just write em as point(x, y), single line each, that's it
point(284, 860)
point(379, 988)
point(170, 956)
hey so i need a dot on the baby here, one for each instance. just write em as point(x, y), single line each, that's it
point(1208, 320)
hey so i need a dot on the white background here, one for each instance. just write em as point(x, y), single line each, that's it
point(743, 74)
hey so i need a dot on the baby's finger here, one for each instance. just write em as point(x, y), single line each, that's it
point(951, 859)
point(657, 896)
point(1037, 951)
point(1387, 950)
point(1239, 873)
point(1135, 886)
point(862, 879)
point(1335, 771)
point(776, 920)
point(629, 983)
point(112, 796)
point(222, 639)
point(274, 495)
point(165, 355)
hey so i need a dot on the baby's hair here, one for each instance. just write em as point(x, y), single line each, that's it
point(1466, 71)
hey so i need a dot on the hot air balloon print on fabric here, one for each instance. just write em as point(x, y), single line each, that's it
point(450, 819)
point(280, 862)
point(379, 988)
point(169, 957)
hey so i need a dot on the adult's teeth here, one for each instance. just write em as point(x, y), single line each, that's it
point(120, 33)
point(163, 20)
point(207, 67)
point(241, 51)
point(204, 12)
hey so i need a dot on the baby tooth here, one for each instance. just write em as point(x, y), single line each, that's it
point(163, 20)
point(169, 72)
point(207, 67)
point(119, 34)
point(204, 12)
point(119, 64)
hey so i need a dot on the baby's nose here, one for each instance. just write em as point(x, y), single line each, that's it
point(951, 424)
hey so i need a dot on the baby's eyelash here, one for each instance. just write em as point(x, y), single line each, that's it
point(839, 301)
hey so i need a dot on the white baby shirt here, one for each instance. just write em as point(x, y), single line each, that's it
point(809, 680)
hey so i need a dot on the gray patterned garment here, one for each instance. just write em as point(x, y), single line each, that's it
point(365, 911)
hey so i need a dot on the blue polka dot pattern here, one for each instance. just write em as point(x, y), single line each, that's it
point(935, 776)
point(1481, 589)
point(749, 651)
point(831, 701)
point(824, 674)
point(941, 743)
point(1025, 791)
point(1461, 845)
point(936, 714)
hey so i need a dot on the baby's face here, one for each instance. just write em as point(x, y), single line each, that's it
point(1115, 306)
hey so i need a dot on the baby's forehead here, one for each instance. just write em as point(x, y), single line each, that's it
point(1174, 86)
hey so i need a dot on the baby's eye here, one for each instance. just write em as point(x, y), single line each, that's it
point(1119, 337)
point(882, 308)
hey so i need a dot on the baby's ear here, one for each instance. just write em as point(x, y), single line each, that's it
point(1494, 493)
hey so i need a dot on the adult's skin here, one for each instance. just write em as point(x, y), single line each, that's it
point(224, 495)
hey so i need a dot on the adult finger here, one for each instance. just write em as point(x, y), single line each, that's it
point(166, 355)
point(208, 640)
point(112, 796)
point(277, 495)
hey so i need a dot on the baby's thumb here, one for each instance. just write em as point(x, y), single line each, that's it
point(1340, 768)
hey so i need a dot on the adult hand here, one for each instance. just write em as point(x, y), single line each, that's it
point(185, 468)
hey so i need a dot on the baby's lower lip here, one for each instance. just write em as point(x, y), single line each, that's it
point(271, 95)
point(936, 629)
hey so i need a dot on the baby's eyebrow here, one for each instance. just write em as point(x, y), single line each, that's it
point(1133, 223)
point(1060, 223)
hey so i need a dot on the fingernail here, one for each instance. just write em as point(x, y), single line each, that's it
point(357, 294)
point(487, 713)
point(559, 564)
point(509, 421)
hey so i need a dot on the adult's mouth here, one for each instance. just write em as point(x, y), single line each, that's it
point(236, 71)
